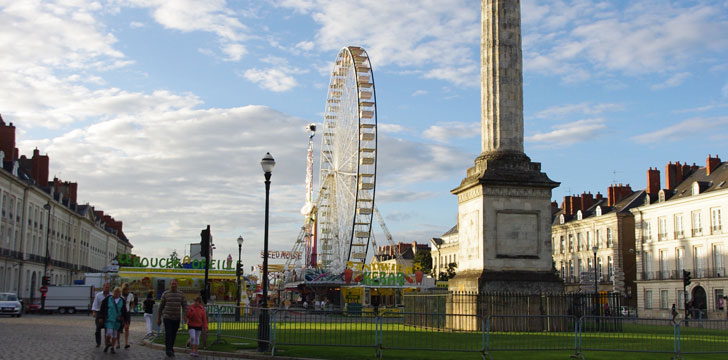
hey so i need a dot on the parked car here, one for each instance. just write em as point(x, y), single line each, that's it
point(32, 308)
point(10, 305)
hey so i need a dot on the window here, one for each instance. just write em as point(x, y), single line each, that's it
point(589, 240)
point(571, 267)
point(715, 223)
point(699, 261)
point(648, 299)
point(609, 238)
point(581, 266)
point(664, 267)
point(599, 211)
point(719, 300)
point(678, 226)
point(599, 268)
point(681, 299)
point(648, 262)
point(561, 219)
point(663, 299)
point(579, 243)
point(579, 215)
point(697, 229)
point(598, 238)
point(680, 260)
point(589, 264)
point(571, 243)
point(647, 234)
point(718, 260)
point(563, 270)
point(562, 243)
point(661, 228)
point(610, 268)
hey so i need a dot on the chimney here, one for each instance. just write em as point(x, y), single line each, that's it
point(653, 181)
point(575, 204)
point(587, 200)
point(554, 207)
point(711, 164)
point(599, 196)
point(40, 168)
point(567, 205)
point(671, 176)
point(617, 193)
point(686, 171)
point(7, 140)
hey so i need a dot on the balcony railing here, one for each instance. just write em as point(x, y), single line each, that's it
point(706, 273)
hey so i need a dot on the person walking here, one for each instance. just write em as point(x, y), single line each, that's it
point(112, 314)
point(673, 312)
point(96, 308)
point(148, 306)
point(171, 306)
point(128, 297)
point(196, 319)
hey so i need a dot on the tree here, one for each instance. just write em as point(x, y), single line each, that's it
point(174, 256)
point(424, 259)
point(449, 274)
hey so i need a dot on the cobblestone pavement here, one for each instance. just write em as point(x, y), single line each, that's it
point(53, 337)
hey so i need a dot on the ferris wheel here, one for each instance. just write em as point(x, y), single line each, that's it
point(348, 161)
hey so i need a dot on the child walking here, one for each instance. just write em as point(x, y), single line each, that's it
point(196, 321)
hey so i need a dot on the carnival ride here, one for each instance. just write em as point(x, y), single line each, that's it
point(338, 224)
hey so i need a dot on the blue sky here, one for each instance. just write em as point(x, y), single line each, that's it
point(162, 110)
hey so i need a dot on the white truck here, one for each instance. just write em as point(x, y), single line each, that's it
point(69, 298)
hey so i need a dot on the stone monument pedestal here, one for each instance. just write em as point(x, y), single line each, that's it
point(504, 223)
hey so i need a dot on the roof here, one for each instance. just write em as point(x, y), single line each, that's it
point(636, 198)
point(717, 180)
point(453, 230)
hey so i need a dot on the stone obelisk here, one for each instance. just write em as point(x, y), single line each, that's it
point(504, 202)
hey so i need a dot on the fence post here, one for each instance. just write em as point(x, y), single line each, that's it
point(676, 331)
point(378, 336)
point(272, 333)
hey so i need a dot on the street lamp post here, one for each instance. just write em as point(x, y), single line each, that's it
point(48, 253)
point(239, 270)
point(596, 281)
point(268, 163)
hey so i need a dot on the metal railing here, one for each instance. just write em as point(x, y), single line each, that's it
point(486, 335)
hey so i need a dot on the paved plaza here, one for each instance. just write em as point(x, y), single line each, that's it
point(52, 337)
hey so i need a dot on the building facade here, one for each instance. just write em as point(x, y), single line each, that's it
point(444, 251)
point(593, 234)
point(681, 227)
point(43, 231)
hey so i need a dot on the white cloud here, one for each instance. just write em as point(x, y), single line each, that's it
point(305, 45)
point(136, 24)
point(570, 133)
point(587, 37)
point(273, 79)
point(234, 51)
point(560, 111)
point(390, 128)
point(445, 132)
point(211, 16)
point(419, 93)
point(724, 90)
point(685, 129)
point(673, 81)
point(408, 33)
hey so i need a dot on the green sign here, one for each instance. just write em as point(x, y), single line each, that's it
point(170, 263)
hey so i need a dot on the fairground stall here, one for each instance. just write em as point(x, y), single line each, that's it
point(146, 275)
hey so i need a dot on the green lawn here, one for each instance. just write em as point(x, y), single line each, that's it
point(336, 338)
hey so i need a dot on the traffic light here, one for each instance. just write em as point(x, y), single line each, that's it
point(686, 277)
point(239, 269)
point(46, 281)
point(205, 243)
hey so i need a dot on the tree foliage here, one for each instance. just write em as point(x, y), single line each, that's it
point(449, 273)
point(424, 259)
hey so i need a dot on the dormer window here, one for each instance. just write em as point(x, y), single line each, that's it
point(696, 188)
point(579, 215)
point(561, 219)
point(661, 196)
point(599, 211)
